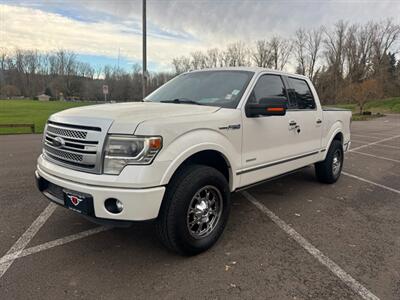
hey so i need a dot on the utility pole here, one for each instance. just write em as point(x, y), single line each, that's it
point(144, 68)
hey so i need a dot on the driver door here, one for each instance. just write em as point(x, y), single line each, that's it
point(267, 139)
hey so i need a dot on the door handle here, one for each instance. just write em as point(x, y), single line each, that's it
point(292, 123)
point(319, 121)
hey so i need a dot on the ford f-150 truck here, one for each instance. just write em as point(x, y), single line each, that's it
point(177, 156)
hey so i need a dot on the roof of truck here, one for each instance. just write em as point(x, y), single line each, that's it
point(252, 69)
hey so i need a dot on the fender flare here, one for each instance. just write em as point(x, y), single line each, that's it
point(188, 152)
point(335, 129)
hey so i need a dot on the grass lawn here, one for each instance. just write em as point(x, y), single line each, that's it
point(391, 105)
point(30, 111)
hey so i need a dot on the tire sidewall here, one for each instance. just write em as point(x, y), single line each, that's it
point(186, 191)
point(336, 146)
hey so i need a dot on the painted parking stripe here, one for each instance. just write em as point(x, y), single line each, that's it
point(374, 143)
point(52, 244)
point(28, 235)
point(379, 133)
point(379, 145)
point(368, 136)
point(353, 284)
point(371, 182)
point(388, 146)
point(376, 156)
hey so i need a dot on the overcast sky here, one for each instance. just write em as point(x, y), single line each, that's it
point(98, 30)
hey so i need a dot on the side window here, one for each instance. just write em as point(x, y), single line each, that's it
point(268, 86)
point(300, 91)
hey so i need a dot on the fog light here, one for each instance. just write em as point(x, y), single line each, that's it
point(113, 205)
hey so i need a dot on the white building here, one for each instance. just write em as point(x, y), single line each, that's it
point(43, 97)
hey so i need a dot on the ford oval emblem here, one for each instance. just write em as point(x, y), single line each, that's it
point(58, 142)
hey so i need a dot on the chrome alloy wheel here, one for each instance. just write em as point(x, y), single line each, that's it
point(336, 162)
point(204, 211)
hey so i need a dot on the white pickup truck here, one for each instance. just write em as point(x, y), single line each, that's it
point(177, 156)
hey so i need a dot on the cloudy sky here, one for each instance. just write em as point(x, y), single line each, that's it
point(100, 29)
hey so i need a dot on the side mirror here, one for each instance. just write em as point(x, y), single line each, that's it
point(267, 107)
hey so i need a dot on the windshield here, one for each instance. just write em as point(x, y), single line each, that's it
point(214, 88)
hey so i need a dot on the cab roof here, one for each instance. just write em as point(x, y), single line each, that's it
point(252, 69)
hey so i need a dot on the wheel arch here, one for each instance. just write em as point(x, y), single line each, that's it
point(335, 134)
point(203, 155)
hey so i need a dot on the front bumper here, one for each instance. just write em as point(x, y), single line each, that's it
point(138, 204)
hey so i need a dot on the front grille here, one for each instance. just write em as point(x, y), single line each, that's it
point(67, 132)
point(64, 154)
point(74, 146)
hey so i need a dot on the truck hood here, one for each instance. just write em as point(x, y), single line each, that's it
point(125, 117)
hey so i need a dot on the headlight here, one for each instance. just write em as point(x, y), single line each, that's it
point(122, 150)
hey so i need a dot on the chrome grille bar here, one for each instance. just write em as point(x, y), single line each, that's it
point(67, 132)
point(75, 144)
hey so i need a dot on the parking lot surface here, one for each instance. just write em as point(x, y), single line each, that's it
point(292, 238)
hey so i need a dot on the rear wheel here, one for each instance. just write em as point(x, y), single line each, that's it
point(195, 210)
point(329, 170)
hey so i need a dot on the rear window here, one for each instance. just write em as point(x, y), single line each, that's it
point(301, 94)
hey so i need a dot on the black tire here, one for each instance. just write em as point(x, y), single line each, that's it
point(172, 223)
point(327, 171)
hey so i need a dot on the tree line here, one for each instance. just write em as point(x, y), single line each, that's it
point(60, 75)
point(346, 62)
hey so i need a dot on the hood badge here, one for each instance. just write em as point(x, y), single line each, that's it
point(58, 142)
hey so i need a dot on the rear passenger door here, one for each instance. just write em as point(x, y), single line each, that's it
point(306, 115)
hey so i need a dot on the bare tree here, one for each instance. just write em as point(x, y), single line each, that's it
point(280, 50)
point(262, 54)
point(362, 92)
point(181, 64)
point(300, 50)
point(314, 43)
point(211, 59)
point(387, 34)
point(358, 49)
point(237, 55)
point(335, 57)
point(198, 60)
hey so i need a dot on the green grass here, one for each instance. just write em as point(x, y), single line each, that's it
point(358, 117)
point(30, 111)
point(391, 105)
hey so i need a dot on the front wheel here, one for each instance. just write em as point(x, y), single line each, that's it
point(328, 171)
point(195, 210)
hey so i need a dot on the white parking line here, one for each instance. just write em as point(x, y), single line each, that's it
point(368, 136)
point(382, 134)
point(387, 146)
point(58, 242)
point(317, 254)
point(24, 240)
point(376, 156)
point(374, 143)
point(379, 145)
point(371, 182)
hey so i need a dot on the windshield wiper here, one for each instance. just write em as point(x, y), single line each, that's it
point(181, 100)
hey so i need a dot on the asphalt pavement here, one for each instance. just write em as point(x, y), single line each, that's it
point(292, 238)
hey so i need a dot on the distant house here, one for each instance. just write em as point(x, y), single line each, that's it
point(43, 97)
